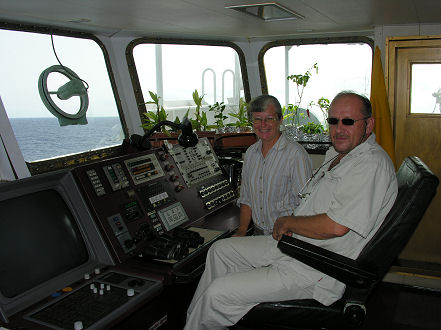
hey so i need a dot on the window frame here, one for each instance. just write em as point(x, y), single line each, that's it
point(298, 42)
point(142, 109)
point(57, 163)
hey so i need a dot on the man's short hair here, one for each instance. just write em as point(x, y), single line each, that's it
point(366, 109)
point(260, 103)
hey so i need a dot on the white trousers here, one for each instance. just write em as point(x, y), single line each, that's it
point(240, 272)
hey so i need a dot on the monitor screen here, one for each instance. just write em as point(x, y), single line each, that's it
point(48, 239)
point(42, 239)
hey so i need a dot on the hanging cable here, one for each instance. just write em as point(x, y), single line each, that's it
point(59, 62)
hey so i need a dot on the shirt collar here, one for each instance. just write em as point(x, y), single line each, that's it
point(279, 145)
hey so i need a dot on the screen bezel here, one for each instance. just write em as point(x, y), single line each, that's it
point(99, 256)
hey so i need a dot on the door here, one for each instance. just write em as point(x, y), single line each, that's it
point(414, 86)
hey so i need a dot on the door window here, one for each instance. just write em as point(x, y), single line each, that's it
point(425, 88)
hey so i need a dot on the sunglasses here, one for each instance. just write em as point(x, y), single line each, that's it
point(344, 121)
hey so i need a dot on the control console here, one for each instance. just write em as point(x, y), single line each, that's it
point(141, 201)
point(95, 302)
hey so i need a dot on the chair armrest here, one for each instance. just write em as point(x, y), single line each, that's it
point(342, 268)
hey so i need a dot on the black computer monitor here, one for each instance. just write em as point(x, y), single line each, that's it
point(48, 239)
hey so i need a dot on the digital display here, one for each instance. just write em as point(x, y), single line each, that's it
point(144, 168)
point(173, 216)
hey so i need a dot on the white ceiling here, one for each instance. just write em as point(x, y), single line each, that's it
point(209, 18)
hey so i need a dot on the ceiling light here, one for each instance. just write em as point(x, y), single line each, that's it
point(269, 11)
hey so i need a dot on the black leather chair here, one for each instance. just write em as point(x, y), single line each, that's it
point(416, 187)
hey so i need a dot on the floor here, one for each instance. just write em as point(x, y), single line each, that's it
point(406, 300)
point(398, 307)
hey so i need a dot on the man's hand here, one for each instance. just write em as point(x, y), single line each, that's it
point(281, 228)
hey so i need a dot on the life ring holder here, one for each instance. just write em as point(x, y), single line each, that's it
point(80, 90)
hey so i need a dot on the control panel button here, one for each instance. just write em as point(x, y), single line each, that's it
point(78, 325)
point(179, 188)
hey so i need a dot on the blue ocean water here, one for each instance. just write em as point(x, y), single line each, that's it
point(41, 138)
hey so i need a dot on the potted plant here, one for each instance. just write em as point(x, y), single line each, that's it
point(294, 116)
point(293, 112)
point(200, 123)
point(218, 109)
point(323, 104)
point(242, 137)
point(314, 134)
point(152, 117)
point(242, 120)
point(312, 128)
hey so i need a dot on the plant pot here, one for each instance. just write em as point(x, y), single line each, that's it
point(232, 140)
point(293, 133)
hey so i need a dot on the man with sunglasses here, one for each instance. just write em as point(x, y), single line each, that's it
point(343, 205)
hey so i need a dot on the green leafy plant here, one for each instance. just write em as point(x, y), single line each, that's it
point(200, 123)
point(292, 111)
point(312, 128)
point(323, 104)
point(176, 121)
point(218, 109)
point(292, 114)
point(152, 117)
point(242, 119)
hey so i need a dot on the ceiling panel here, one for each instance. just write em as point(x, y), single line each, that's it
point(209, 18)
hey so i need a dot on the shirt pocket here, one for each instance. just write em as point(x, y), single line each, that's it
point(322, 192)
point(285, 207)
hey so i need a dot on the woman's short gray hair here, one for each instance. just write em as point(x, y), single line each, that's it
point(260, 103)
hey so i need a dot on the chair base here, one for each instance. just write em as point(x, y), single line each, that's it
point(307, 313)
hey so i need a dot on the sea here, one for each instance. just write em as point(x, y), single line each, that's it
point(42, 138)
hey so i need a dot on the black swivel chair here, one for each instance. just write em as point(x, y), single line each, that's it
point(416, 187)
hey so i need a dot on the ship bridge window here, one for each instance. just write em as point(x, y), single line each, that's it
point(310, 74)
point(58, 96)
point(173, 72)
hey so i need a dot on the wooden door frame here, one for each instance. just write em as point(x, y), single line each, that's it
point(417, 251)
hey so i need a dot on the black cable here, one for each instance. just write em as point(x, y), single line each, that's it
point(59, 62)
